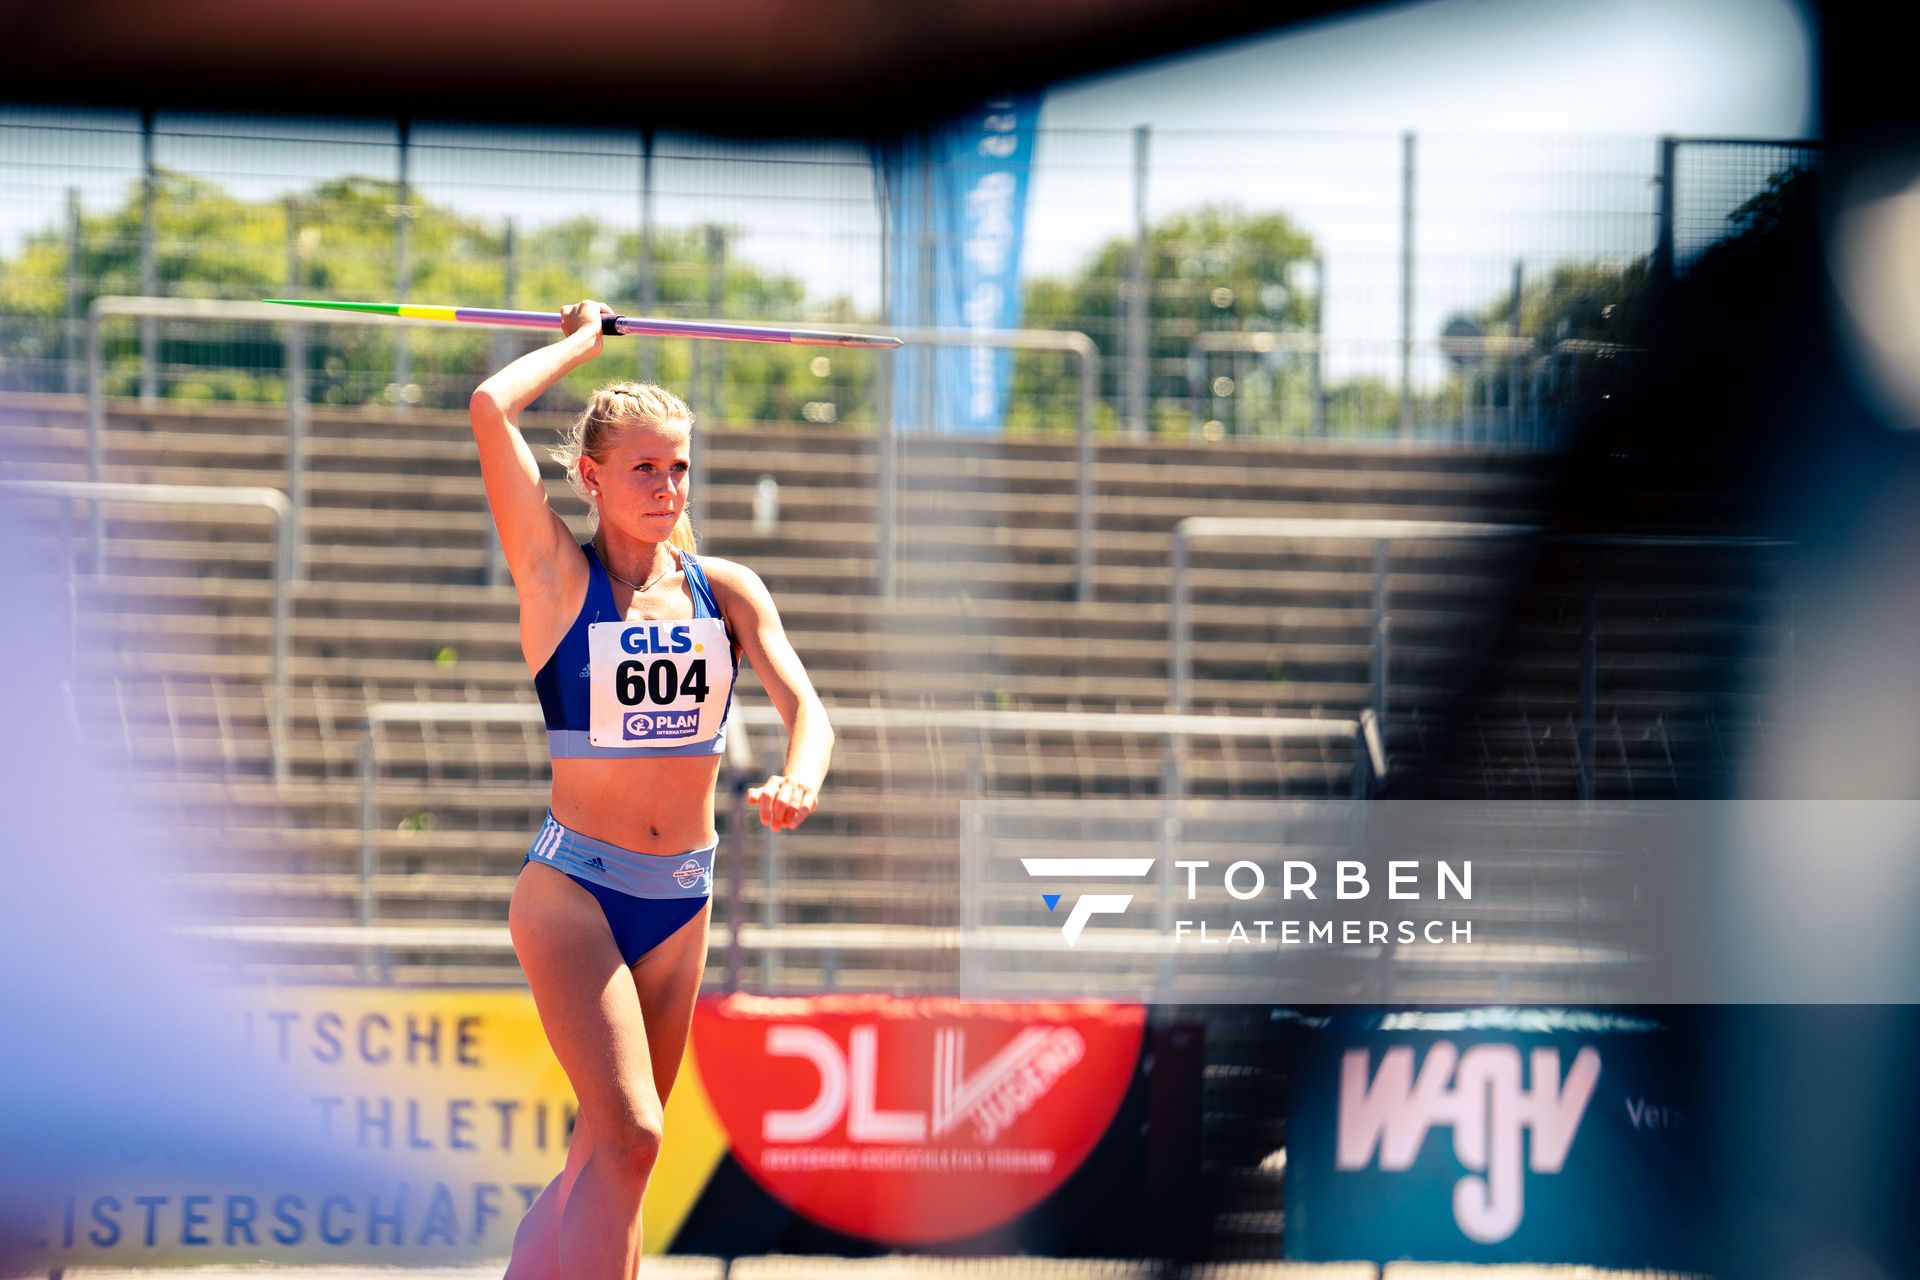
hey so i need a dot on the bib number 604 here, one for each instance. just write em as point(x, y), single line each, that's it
point(659, 682)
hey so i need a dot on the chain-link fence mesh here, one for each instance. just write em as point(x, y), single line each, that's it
point(1727, 188)
point(1371, 285)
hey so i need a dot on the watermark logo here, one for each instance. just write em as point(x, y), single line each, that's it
point(1087, 905)
point(1478, 1094)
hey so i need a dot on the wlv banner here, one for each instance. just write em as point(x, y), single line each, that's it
point(1493, 1135)
point(953, 200)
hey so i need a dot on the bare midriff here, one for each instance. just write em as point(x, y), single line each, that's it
point(660, 806)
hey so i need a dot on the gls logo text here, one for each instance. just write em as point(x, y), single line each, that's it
point(1088, 905)
point(1488, 1110)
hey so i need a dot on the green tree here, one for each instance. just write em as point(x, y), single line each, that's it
point(1584, 319)
point(340, 236)
point(1212, 268)
point(1583, 301)
point(1577, 329)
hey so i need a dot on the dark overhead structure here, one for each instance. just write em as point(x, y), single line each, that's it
point(760, 67)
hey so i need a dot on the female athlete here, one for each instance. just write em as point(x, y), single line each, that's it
point(634, 642)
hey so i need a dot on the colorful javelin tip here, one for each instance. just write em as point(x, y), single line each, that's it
point(631, 325)
point(373, 308)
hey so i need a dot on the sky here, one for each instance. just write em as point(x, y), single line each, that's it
point(1537, 124)
point(1515, 69)
point(1738, 68)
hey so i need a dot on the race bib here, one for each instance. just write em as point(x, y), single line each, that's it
point(657, 684)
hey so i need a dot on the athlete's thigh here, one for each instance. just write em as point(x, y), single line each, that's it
point(666, 994)
point(585, 997)
point(668, 979)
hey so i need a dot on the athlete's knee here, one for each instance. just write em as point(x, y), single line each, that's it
point(632, 1146)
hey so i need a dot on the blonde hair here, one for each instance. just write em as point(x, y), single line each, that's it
point(617, 405)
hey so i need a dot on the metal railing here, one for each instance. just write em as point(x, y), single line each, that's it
point(205, 495)
point(767, 938)
point(1528, 390)
point(205, 310)
point(1076, 345)
point(1587, 718)
point(1383, 533)
point(1085, 355)
point(1261, 343)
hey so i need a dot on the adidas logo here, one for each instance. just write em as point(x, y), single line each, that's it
point(596, 864)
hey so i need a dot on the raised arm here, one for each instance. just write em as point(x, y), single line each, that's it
point(786, 798)
point(537, 544)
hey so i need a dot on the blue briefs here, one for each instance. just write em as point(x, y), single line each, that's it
point(646, 897)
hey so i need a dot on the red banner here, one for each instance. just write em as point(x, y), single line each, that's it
point(913, 1121)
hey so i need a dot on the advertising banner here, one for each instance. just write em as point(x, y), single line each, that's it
point(1489, 1136)
point(452, 1096)
point(915, 1122)
point(851, 1123)
point(954, 202)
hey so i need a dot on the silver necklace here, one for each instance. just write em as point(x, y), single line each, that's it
point(635, 587)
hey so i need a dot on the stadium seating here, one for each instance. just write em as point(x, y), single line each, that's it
point(173, 640)
point(172, 651)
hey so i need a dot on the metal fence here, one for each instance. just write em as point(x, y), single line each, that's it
point(99, 493)
point(1424, 286)
point(1725, 186)
point(955, 754)
point(200, 315)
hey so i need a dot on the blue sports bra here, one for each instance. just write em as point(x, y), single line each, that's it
point(620, 690)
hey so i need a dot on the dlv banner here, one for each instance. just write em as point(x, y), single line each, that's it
point(953, 206)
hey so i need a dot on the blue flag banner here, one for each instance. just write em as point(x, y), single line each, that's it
point(953, 205)
point(1493, 1136)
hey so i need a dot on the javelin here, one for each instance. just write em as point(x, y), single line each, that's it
point(609, 325)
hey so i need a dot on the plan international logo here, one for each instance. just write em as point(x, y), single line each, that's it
point(660, 724)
